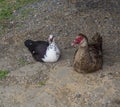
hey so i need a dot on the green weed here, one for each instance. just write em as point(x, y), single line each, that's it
point(22, 61)
point(41, 83)
point(3, 73)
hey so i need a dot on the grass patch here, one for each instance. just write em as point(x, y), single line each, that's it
point(22, 61)
point(3, 73)
point(8, 7)
point(42, 83)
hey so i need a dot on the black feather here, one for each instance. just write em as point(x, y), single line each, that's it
point(37, 48)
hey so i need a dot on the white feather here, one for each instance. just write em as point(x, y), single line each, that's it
point(52, 53)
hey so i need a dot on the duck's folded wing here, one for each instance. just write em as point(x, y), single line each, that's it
point(40, 49)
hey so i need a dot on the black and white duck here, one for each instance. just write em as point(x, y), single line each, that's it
point(44, 51)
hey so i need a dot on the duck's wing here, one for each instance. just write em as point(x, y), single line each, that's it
point(41, 47)
point(95, 50)
point(97, 42)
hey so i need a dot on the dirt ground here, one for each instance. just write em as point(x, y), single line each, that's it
point(35, 84)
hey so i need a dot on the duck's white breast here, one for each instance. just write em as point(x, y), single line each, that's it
point(52, 53)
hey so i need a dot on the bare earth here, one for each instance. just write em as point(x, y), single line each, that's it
point(34, 84)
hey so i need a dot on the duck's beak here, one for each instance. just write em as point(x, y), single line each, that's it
point(51, 39)
point(73, 44)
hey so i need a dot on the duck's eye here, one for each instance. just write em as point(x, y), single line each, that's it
point(33, 52)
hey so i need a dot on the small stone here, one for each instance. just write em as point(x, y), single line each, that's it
point(78, 95)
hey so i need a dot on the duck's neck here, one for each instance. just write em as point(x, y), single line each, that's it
point(84, 44)
point(84, 50)
point(52, 42)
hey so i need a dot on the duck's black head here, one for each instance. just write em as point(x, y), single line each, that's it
point(28, 43)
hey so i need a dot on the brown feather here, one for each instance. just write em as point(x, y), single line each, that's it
point(89, 58)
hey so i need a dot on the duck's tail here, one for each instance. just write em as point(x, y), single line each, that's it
point(97, 40)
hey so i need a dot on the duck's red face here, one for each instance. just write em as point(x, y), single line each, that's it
point(77, 40)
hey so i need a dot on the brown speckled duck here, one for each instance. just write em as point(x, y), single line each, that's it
point(88, 57)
